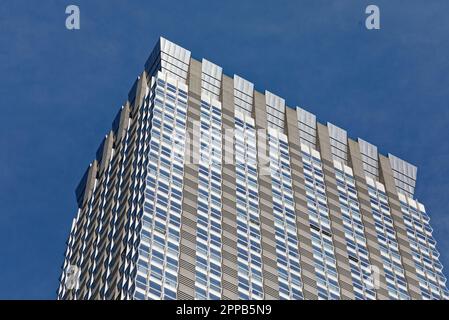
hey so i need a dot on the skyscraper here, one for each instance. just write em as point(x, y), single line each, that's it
point(207, 189)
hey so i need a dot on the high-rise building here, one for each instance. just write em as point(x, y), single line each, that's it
point(207, 189)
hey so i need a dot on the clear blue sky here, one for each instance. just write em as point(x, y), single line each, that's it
point(60, 90)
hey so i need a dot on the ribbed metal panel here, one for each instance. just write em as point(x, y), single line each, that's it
point(370, 158)
point(307, 127)
point(339, 142)
point(404, 175)
point(175, 51)
point(243, 85)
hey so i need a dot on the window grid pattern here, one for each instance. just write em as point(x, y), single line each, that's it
point(320, 225)
point(138, 196)
point(125, 231)
point(429, 270)
point(101, 235)
point(387, 241)
point(69, 251)
point(208, 284)
point(158, 251)
point(125, 240)
point(97, 236)
point(249, 247)
point(87, 240)
point(286, 233)
point(122, 168)
point(361, 270)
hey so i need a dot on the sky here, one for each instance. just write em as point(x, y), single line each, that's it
point(60, 90)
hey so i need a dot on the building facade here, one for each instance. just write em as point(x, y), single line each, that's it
point(207, 189)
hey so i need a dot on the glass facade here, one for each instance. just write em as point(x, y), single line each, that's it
point(286, 233)
point(151, 224)
point(320, 225)
point(209, 230)
point(429, 270)
point(361, 269)
point(249, 238)
point(158, 251)
point(387, 241)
